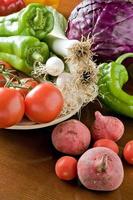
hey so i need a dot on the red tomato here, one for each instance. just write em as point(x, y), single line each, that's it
point(128, 152)
point(43, 103)
point(2, 80)
point(28, 84)
point(66, 168)
point(107, 143)
point(10, 6)
point(8, 68)
point(11, 107)
point(5, 64)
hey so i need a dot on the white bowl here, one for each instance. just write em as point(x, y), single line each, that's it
point(27, 125)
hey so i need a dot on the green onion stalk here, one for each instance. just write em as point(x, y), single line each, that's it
point(78, 57)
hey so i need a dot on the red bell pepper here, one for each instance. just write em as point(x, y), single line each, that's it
point(10, 6)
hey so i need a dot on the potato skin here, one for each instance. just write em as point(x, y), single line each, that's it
point(100, 169)
point(71, 137)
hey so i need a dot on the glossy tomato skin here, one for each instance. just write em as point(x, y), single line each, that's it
point(128, 152)
point(11, 107)
point(107, 143)
point(43, 103)
point(66, 168)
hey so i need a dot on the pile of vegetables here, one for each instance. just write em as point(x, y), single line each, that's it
point(92, 156)
point(39, 42)
point(109, 25)
point(60, 71)
point(44, 72)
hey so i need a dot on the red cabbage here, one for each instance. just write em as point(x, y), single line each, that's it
point(108, 22)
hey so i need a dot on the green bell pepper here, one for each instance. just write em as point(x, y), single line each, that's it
point(112, 77)
point(35, 20)
point(22, 51)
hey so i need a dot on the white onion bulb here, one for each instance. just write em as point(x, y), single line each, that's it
point(54, 66)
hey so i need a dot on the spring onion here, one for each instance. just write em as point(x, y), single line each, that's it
point(73, 50)
point(64, 79)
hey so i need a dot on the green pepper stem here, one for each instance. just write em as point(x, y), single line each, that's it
point(121, 58)
point(37, 56)
point(39, 17)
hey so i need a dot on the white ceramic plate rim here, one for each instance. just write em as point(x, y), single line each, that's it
point(27, 125)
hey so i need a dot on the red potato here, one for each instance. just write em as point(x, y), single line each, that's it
point(107, 127)
point(71, 137)
point(100, 169)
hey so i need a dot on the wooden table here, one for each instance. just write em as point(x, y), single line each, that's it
point(27, 161)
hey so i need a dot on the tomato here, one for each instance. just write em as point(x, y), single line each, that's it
point(43, 103)
point(2, 80)
point(27, 85)
point(66, 168)
point(10, 72)
point(5, 64)
point(11, 107)
point(107, 143)
point(128, 152)
point(10, 6)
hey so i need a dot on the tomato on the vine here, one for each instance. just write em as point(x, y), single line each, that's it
point(2, 80)
point(11, 107)
point(66, 168)
point(128, 152)
point(27, 84)
point(43, 103)
point(5, 64)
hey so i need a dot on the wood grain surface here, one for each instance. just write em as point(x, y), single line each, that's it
point(27, 160)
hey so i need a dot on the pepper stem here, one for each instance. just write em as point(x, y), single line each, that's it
point(121, 58)
point(39, 17)
point(37, 56)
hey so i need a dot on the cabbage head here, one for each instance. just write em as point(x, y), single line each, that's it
point(108, 22)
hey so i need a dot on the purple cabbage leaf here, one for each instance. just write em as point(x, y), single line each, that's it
point(108, 22)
